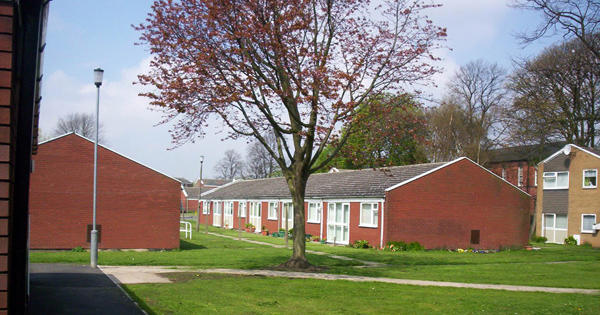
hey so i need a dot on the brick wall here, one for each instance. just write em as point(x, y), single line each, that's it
point(441, 209)
point(6, 49)
point(136, 206)
point(512, 170)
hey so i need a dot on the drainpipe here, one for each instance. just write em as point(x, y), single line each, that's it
point(382, 215)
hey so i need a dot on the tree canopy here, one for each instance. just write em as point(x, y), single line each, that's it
point(557, 96)
point(300, 69)
point(389, 130)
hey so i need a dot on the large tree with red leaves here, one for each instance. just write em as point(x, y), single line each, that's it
point(300, 69)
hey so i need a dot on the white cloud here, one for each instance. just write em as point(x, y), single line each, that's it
point(470, 23)
point(129, 124)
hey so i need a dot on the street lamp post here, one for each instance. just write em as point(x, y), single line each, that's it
point(94, 234)
point(200, 198)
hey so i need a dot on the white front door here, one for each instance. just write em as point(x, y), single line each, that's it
point(254, 215)
point(217, 213)
point(288, 210)
point(555, 227)
point(338, 218)
point(228, 214)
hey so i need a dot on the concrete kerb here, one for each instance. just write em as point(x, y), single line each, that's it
point(118, 271)
point(115, 280)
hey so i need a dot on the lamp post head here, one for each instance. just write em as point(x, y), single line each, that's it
point(98, 76)
point(201, 159)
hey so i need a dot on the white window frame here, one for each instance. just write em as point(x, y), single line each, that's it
point(535, 177)
point(242, 205)
point(206, 207)
point(503, 173)
point(331, 221)
point(553, 228)
point(318, 206)
point(587, 214)
point(583, 178)
point(218, 207)
point(555, 175)
point(520, 176)
point(272, 216)
point(374, 222)
point(228, 208)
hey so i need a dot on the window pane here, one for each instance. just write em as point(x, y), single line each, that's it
point(346, 213)
point(375, 217)
point(563, 179)
point(588, 222)
point(319, 213)
point(365, 216)
point(590, 178)
point(338, 215)
point(548, 221)
point(365, 213)
point(549, 182)
point(561, 221)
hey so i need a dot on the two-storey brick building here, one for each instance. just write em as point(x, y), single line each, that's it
point(568, 198)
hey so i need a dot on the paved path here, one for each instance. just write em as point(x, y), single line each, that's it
point(364, 262)
point(147, 274)
point(76, 289)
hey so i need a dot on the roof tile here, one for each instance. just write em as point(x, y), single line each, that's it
point(365, 183)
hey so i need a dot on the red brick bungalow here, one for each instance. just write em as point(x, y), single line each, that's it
point(189, 198)
point(190, 194)
point(457, 204)
point(137, 207)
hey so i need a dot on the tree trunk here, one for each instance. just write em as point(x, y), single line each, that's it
point(297, 186)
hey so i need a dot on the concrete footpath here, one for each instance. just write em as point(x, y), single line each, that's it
point(149, 274)
point(76, 289)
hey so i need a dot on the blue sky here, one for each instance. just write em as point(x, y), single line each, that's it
point(85, 34)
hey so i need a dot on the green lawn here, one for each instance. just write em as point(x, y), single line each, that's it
point(204, 251)
point(225, 294)
point(553, 265)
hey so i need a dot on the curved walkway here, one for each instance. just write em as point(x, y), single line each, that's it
point(151, 274)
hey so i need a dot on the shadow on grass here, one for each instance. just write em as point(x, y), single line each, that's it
point(140, 302)
point(185, 245)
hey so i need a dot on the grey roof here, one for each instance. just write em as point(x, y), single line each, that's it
point(535, 152)
point(366, 183)
point(215, 182)
point(194, 192)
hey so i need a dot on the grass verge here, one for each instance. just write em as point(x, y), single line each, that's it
point(226, 294)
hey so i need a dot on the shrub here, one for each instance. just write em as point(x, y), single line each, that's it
point(570, 240)
point(361, 244)
point(249, 225)
point(78, 249)
point(415, 246)
point(586, 245)
point(395, 246)
point(540, 239)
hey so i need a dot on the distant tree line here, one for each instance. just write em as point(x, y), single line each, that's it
point(554, 96)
